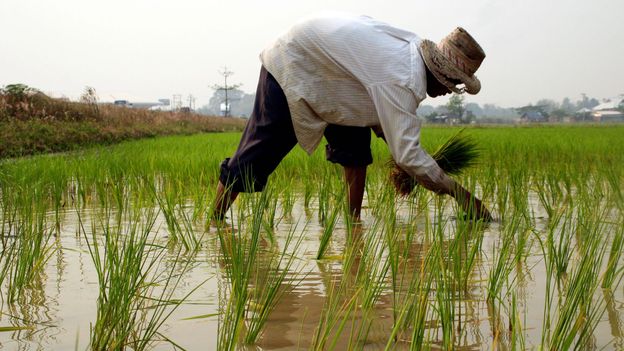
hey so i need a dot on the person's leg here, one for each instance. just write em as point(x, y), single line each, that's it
point(356, 181)
point(350, 147)
point(266, 140)
point(222, 202)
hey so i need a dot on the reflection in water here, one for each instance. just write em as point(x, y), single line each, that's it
point(338, 282)
point(33, 310)
point(358, 273)
point(615, 320)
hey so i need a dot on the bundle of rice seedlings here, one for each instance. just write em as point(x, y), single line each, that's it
point(459, 152)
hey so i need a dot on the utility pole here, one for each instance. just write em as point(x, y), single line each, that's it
point(225, 87)
point(176, 104)
point(191, 102)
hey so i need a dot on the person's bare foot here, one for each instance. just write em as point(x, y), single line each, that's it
point(220, 225)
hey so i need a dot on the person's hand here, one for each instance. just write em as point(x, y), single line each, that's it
point(444, 185)
point(471, 204)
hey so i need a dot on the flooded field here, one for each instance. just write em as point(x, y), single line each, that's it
point(112, 248)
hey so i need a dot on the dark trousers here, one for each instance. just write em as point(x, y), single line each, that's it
point(269, 136)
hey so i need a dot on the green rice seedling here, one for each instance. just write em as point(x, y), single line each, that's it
point(338, 308)
point(396, 261)
point(578, 313)
point(523, 242)
point(614, 272)
point(328, 230)
point(200, 203)
point(455, 155)
point(370, 283)
point(333, 321)
point(324, 195)
point(308, 193)
point(30, 252)
point(157, 307)
point(127, 266)
point(5, 266)
point(464, 249)
point(559, 242)
point(519, 180)
point(240, 253)
point(374, 264)
point(550, 193)
point(8, 236)
point(503, 203)
point(420, 311)
point(444, 288)
point(413, 309)
point(269, 286)
point(517, 340)
point(288, 199)
point(614, 176)
point(179, 223)
point(270, 215)
point(120, 266)
point(342, 300)
point(502, 261)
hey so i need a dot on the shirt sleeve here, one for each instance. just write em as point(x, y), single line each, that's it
point(396, 106)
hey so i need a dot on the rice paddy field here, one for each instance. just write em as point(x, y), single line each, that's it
point(113, 248)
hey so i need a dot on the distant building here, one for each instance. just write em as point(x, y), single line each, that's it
point(160, 105)
point(608, 116)
point(533, 116)
point(611, 110)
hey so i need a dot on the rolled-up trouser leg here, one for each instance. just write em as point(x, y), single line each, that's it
point(266, 140)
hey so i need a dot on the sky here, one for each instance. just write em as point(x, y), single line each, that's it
point(150, 49)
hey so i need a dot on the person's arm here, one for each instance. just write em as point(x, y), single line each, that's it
point(400, 128)
point(396, 106)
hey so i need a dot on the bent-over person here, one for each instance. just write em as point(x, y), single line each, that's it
point(338, 76)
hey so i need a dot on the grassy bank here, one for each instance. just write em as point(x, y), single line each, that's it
point(33, 123)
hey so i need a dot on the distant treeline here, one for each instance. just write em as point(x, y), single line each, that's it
point(33, 123)
point(241, 105)
point(492, 113)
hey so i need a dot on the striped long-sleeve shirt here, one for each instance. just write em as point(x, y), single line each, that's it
point(354, 71)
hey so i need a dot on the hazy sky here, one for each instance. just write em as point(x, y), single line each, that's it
point(152, 49)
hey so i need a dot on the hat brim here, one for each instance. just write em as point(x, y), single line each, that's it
point(443, 69)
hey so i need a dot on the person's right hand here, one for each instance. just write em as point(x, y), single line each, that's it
point(471, 204)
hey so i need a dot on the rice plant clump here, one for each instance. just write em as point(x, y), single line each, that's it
point(459, 152)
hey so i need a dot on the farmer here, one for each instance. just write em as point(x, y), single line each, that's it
point(338, 76)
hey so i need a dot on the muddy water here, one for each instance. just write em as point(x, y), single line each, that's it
point(61, 304)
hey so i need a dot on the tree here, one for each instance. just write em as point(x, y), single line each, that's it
point(241, 104)
point(558, 114)
point(474, 108)
point(567, 105)
point(547, 105)
point(455, 106)
point(431, 117)
point(424, 110)
point(468, 117)
point(586, 102)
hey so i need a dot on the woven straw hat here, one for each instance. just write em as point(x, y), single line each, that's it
point(456, 57)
